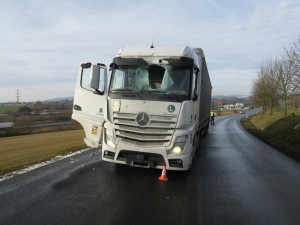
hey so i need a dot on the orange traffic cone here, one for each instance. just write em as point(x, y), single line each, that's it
point(164, 175)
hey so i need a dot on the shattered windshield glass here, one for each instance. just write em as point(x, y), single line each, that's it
point(155, 82)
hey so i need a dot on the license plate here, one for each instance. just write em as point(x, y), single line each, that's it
point(139, 164)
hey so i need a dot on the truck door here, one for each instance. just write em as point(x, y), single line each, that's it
point(90, 101)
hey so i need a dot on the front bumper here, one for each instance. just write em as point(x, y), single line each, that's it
point(146, 157)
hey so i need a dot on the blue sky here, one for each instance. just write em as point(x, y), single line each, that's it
point(43, 42)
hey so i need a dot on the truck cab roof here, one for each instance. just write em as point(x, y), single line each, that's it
point(162, 52)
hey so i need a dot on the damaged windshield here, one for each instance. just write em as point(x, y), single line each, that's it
point(157, 82)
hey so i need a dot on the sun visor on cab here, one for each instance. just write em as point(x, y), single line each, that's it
point(129, 62)
point(182, 61)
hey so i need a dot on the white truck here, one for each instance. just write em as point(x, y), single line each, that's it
point(153, 110)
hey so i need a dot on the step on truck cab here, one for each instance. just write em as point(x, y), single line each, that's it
point(153, 109)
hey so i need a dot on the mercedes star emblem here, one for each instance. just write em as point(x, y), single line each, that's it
point(142, 119)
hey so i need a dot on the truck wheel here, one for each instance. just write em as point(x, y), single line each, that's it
point(206, 129)
point(196, 146)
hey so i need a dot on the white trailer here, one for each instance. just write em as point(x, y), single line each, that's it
point(154, 110)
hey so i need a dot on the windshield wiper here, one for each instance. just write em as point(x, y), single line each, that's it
point(174, 97)
point(166, 95)
point(129, 95)
point(121, 89)
point(159, 92)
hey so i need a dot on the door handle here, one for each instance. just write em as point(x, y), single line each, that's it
point(77, 107)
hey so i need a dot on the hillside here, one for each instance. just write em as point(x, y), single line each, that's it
point(277, 130)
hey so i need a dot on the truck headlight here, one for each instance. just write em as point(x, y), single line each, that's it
point(109, 141)
point(178, 147)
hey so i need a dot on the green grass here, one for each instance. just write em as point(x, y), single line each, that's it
point(277, 130)
point(21, 151)
point(7, 108)
point(262, 121)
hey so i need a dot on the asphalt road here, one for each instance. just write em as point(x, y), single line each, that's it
point(235, 179)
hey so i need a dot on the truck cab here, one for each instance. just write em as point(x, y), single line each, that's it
point(153, 109)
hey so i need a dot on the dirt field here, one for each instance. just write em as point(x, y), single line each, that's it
point(20, 151)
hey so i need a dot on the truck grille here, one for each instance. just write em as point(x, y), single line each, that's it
point(158, 132)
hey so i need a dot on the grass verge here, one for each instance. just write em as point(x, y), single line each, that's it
point(8, 108)
point(276, 130)
point(21, 151)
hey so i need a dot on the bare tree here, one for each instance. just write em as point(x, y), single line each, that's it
point(278, 79)
point(24, 123)
point(294, 101)
point(285, 75)
point(264, 89)
point(258, 95)
point(292, 55)
point(269, 83)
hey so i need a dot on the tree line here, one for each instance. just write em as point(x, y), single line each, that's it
point(278, 79)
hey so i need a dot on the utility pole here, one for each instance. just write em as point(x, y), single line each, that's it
point(18, 97)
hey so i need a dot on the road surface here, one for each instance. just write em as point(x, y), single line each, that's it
point(235, 179)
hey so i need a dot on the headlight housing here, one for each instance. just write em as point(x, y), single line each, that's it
point(109, 141)
point(179, 145)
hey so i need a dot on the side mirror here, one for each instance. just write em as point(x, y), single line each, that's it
point(94, 77)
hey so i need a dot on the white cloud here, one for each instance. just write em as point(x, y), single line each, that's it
point(284, 4)
point(42, 44)
point(232, 81)
point(36, 93)
point(236, 27)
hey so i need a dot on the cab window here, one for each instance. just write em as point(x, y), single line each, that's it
point(85, 79)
